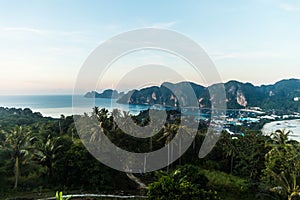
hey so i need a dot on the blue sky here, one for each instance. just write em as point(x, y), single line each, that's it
point(44, 43)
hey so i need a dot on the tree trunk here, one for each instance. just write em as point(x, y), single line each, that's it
point(180, 152)
point(17, 172)
point(231, 164)
point(50, 170)
point(137, 181)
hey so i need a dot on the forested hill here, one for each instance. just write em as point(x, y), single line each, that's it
point(109, 93)
point(10, 117)
point(284, 95)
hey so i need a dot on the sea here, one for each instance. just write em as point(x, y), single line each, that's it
point(57, 105)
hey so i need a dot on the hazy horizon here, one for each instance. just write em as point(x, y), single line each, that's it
point(126, 90)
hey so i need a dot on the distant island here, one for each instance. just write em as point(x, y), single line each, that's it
point(283, 95)
point(109, 93)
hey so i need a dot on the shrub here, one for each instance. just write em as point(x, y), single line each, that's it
point(186, 182)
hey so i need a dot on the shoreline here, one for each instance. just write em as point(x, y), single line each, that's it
point(292, 125)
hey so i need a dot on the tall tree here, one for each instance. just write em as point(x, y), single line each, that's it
point(46, 152)
point(283, 163)
point(230, 148)
point(169, 131)
point(18, 141)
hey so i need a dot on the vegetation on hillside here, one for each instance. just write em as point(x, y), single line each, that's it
point(40, 153)
point(278, 96)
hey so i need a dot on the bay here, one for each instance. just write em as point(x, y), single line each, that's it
point(56, 105)
point(287, 125)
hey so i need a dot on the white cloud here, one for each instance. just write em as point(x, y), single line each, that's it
point(289, 7)
point(247, 55)
point(22, 29)
point(222, 56)
point(165, 25)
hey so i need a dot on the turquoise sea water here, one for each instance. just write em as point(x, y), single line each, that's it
point(55, 105)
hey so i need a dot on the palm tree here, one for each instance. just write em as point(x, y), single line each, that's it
point(170, 131)
point(96, 110)
point(46, 152)
point(283, 162)
point(280, 137)
point(230, 149)
point(18, 141)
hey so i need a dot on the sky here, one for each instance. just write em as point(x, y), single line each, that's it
point(43, 44)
